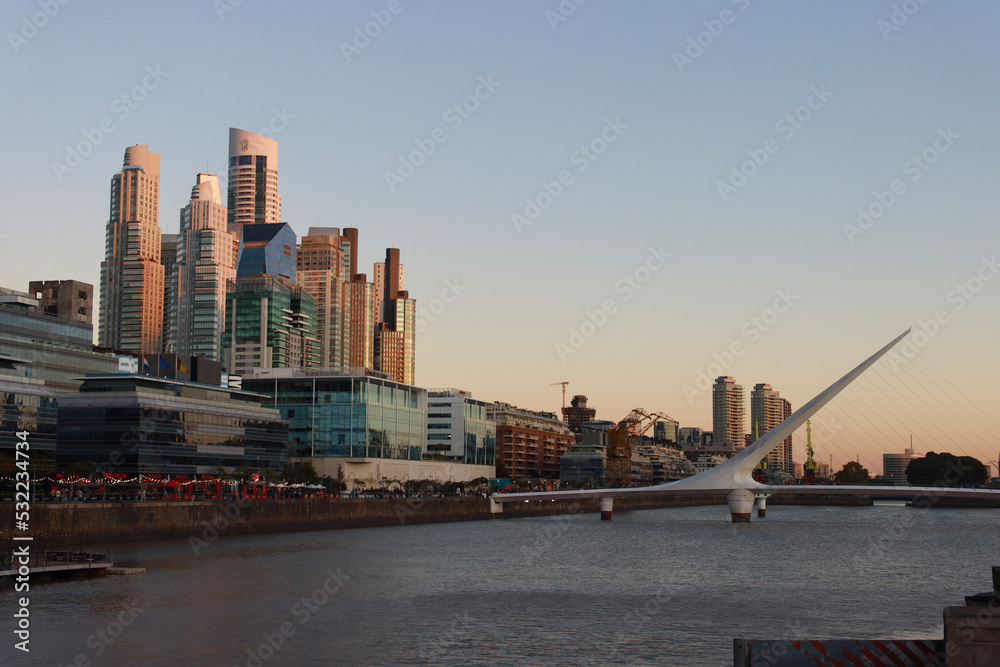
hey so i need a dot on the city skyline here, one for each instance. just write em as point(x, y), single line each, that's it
point(797, 185)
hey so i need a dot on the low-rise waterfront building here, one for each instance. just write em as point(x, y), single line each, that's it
point(27, 406)
point(138, 424)
point(353, 423)
point(458, 428)
point(530, 443)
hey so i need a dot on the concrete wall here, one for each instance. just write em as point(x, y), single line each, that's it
point(79, 524)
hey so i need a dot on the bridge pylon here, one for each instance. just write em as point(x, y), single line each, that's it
point(741, 505)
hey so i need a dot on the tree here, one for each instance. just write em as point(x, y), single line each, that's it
point(947, 470)
point(81, 469)
point(300, 473)
point(852, 473)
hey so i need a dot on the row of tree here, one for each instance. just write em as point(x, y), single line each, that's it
point(942, 469)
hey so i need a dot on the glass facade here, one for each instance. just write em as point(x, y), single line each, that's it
point(27, 407)
point(347, 416)
point(57, 348)
point(267, 248)
point(480, 435)
point(147, 425)
point(287, 324)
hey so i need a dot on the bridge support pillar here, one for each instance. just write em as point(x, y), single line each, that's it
point(495, 507)
point(762, 505)
point(607, 504)
point(740, 504)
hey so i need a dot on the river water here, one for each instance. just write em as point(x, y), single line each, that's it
point(652, 587)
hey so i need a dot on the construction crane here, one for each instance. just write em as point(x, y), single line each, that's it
point(810, 466)
point(564, 391)
point(760, 471)
point(620, 440)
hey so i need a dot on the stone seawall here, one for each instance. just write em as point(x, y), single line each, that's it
point(78, 524)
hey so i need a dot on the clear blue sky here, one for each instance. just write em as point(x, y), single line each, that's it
point(679, 127)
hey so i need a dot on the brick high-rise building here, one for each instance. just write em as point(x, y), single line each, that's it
point(529, 444)
point(321, 269)
point(728, 412)
point(353, 329)
point(393, 351)
point(131, 301)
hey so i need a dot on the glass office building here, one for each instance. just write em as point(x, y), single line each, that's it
point(337, 414)
point(159, 426)
point(458, 428)
point(26, 405)
point(267, 248)
point(56, 349)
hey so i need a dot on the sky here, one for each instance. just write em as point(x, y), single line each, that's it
point(634, 197)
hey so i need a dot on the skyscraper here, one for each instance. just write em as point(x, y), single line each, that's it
point(380, 287)
point(767, 410)
point(270, 323)
point(728, 412)
point(206, 262)
point(168, 258)
point(131, 302)
point(253, 179)
point(394, 340)
point(321, 267)
point(267, 248)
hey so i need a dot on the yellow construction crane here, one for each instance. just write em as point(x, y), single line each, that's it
point(564, 391)
point(810, 466)
point(620, 440)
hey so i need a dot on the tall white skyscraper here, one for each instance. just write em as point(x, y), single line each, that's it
point(253, 179)
point(206, 261)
